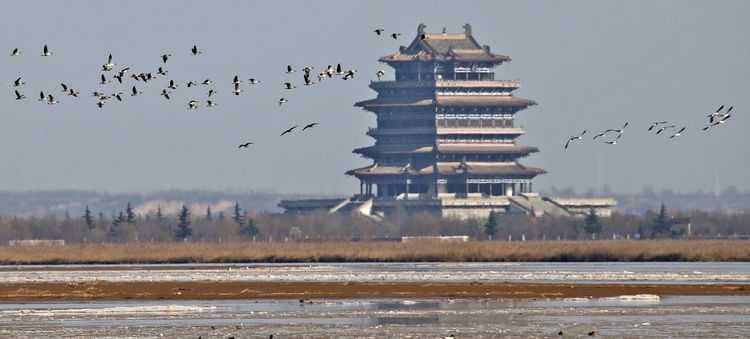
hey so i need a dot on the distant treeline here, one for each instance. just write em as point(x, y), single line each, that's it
point(42, 203)
point(207, 225)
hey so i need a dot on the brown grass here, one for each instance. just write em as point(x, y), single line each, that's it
point(212, 252)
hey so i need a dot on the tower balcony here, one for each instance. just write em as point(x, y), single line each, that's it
point(479, 130)
point(374, 132)
point(475, 84)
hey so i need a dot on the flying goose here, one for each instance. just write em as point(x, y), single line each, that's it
point(289, 69)
point(665, 128)
point(46, 51)
point(288, 85)
point(172, 85)
point(339, 69)
point(73, 93)
point(161, 71)
point(717, 112)
point(245, 145)
point(103, 80)
point(210, 103)
point(310, 125)
point(678, 133)
point(236, 80)
point(282, 101)
point(253, 81)
point(191, 84)
point(211, 92)
point(15, 52)
point(18, 82)
point(134, 91)
point(165, 57)
point(195, 50)
point(206, 82)
point(654, 124)
point(51, 100)
point(193, 104)
point(379, 31)
point(165, 93)
point(574, 138)
point(109, 65)
point(307, 80)
point(380, 73)
point(289, 130)
point(620, 130)
point(718, 122)
point(19, 96)
point(237, 90)
point(307, 69)
point(117, 96)
point(349, 74)
point(42, 97)
point(395, 35)
point(118, 76)
point(100, 103)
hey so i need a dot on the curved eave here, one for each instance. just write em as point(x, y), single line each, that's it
point(397, 58)
point(451, 168)
point(380, 102)
point(392, 149)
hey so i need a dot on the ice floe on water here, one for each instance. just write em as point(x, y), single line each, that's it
point(438, 272)
point(640, 298)
point(117, 310)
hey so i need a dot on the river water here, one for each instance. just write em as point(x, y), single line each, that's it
point(670, 317)
point(619, 317)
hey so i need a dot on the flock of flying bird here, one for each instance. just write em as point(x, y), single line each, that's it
point(120, 75)
point(714, 119)
point(613, 134)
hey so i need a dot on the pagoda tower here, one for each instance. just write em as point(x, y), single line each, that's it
point(445, 125)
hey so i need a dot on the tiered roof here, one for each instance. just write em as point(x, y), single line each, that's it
point(452, 168)
point(449, 100)
point(448, 148)
point(444, 47)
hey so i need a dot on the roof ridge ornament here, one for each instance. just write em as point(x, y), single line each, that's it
point(467, 29)
point(420, 29)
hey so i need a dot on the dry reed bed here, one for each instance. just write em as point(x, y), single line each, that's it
point(211, 252)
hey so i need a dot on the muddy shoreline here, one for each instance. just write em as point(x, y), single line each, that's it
point(199, 290)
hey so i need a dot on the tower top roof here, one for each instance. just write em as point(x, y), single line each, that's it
point(445, 46)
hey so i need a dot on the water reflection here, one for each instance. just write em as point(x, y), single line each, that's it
point(683, 317)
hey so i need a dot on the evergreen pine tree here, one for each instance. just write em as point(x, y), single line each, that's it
point(88, 218)
point(130, 214)
point(183, 230)
point(209, 216)
point(490, 227)
point(248, 228)
point(113, 234)
point(591, 224)
point(662, 225)
point(237, 216)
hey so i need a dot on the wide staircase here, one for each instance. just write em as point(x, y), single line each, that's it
point(533, 204)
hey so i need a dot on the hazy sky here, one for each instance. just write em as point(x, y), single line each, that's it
point(589, 64)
